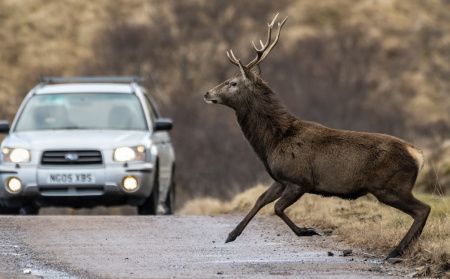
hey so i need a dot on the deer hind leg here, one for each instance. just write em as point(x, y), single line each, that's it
point(274, 192)
point(418, 210)
point(290, 195)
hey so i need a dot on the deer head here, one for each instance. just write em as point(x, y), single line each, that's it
point(241, 87)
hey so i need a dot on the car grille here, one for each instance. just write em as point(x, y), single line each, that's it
point(72, 157)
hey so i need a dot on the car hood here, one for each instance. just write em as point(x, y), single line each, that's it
point(76, 139)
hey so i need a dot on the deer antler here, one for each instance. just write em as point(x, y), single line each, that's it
point(265, 48)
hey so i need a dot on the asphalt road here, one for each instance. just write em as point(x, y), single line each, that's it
point(174, 247)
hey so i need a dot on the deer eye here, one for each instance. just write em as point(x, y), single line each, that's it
point(233, 83)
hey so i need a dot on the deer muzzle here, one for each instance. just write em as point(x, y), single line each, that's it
point(208, 99)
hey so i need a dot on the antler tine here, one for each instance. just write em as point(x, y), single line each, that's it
point(265, 48)
point(260, 52)
point(274, 42)
point(232, 58)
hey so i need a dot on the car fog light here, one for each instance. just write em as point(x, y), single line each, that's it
point(130, 183)
point(14, 185)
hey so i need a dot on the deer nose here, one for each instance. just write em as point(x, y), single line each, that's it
point(206, 94)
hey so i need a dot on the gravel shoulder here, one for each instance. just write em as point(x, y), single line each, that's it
point(174, 247)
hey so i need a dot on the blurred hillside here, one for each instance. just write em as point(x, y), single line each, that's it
point(371, 65)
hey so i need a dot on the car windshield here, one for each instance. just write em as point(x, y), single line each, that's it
point(105, 111)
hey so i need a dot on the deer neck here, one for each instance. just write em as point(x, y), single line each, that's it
point(265, 122)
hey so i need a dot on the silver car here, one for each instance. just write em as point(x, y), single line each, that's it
point(84, 142)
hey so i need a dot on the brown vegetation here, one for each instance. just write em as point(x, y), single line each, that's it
point(376, 66)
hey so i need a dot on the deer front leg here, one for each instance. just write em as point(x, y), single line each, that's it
point(274, 192)
point(290, 195)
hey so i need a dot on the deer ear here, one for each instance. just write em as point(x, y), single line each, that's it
point(243, 70)
point(257, 69)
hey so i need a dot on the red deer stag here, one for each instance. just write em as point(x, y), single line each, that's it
point(305, 157)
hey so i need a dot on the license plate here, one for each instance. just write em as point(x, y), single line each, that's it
point(71, 178)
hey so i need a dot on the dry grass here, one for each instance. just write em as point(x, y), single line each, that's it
point(364, 222)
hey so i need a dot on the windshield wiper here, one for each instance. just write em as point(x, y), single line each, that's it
point(72, 127)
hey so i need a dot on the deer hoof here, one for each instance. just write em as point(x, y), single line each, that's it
point(393, 254)
point(230, 238)
point(307, 232)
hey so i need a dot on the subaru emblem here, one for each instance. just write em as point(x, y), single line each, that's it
point(71, 156)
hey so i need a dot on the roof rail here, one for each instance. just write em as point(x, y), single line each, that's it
point(99, 79)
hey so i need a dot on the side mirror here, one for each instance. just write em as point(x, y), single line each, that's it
point(163, 124)
point(4, 126)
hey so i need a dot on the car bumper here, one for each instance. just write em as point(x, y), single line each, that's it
point(73, 186)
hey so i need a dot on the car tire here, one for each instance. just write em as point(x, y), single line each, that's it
point(150, 206)
point(170, 200)
point(9, 210)
point(30, 209)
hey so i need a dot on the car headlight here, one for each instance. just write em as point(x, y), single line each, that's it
point(16, 155)
point(125, 154)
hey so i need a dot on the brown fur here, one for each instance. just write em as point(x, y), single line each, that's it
point(305, 157)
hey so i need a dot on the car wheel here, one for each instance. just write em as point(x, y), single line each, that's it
point(170, 200)
point(30, 209)
point(150, 206)
point(9, 210)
